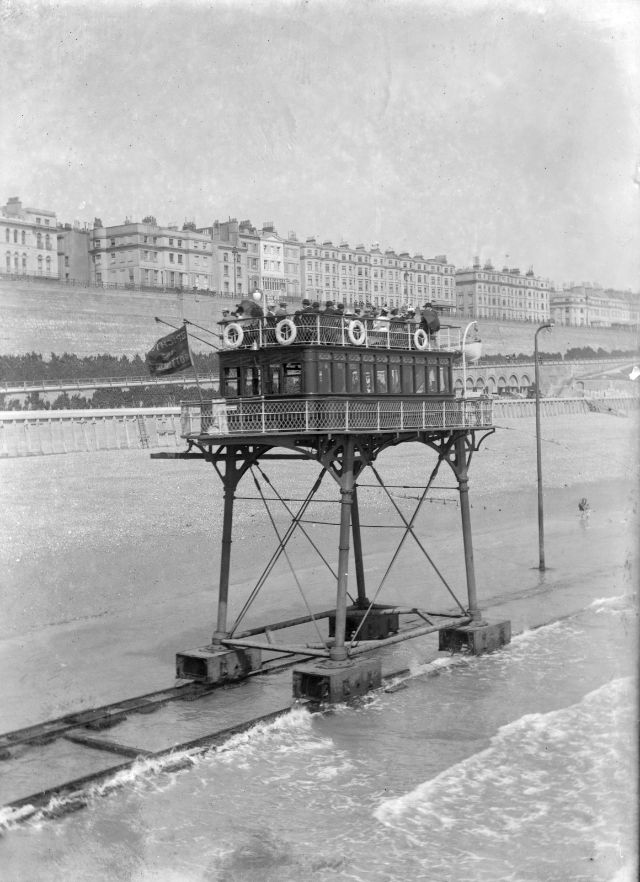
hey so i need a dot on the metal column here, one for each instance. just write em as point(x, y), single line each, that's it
point(362, 601)
point(338, 650)
point(463, 487)
point(230, 480)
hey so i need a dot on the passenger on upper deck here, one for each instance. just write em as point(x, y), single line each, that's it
point(330, 321)
point(429, 320)
point(305, 321)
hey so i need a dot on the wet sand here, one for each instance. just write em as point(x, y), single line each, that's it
point(110, 559)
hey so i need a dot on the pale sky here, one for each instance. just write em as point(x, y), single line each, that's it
point(466, 128)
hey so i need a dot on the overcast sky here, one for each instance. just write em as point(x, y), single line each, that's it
point(443, 128)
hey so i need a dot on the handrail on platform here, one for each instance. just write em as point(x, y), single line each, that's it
point(335, 330)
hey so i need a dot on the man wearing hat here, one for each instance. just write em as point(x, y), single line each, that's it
point(429, 320)
point(329, 323)
point(305, 321)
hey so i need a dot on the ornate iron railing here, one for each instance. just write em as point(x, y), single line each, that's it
point(320, 329)
point(294, 415)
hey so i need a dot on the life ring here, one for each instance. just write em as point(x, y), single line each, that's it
point(356, 332)
point(285, 337)
point(421, 339)
point(233, 335)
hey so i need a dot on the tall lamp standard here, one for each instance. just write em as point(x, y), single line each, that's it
point(464, 357)
point(546, 325)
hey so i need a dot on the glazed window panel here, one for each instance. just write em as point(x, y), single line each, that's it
point(420, 378)
point(354, 377)
point(382, 384)
point(231, 382)
point(394, 379)
point(367, 379)
point(443, 377)
point(432, 379)
point(275, 379)
point(407, 379)
point(324, 377)
point(250, 382)
point(339, 378)
point(292, 378)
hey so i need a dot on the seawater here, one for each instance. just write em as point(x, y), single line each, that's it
point(520, 765)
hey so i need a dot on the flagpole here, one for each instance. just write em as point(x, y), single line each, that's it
point(195, 337)
point(193, 364)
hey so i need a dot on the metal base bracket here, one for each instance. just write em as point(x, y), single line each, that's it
point(476, 638)
point(331, 682)
point(213, 665)
point(377, 626)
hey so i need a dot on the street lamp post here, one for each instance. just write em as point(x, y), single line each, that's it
point(541, 565)
point(464, 357)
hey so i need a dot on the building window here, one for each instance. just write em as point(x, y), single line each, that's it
point(15, 236)
point(24, 263)
point(48, 264)
point(47, 242)
point(23, 238)
point(39, 240)
point(179, 257)
point(170, 255)
point(39, 264)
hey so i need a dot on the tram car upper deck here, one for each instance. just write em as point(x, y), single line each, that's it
point(316, 373)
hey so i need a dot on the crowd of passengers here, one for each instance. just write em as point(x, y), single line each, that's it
point(333, 316)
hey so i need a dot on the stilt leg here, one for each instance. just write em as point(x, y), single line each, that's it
point(362, 602)
point(338, 651)
point(463, 486)
point(230, 482)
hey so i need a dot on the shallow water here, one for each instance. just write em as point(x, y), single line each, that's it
point(520, 765)
point(517, 765)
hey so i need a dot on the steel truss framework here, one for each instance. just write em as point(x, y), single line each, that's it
point(343, 457)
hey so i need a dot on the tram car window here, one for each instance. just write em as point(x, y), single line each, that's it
point(308, 370)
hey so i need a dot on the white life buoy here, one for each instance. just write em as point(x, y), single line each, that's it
point(357, 332)
point(421, 339)
point(233, 335)
point(286, 331)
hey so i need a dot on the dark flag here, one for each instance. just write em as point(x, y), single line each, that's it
point(170, 354)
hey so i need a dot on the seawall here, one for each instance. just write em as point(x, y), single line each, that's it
point(45, 317)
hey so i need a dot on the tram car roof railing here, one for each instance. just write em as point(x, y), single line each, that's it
point(320, 329)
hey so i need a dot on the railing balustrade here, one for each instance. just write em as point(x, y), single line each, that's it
point(292, 415)
point(335, 330)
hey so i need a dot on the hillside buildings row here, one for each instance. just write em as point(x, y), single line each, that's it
point(234, 258)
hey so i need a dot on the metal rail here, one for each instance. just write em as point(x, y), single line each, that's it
point(77, 384)
point(274, 416)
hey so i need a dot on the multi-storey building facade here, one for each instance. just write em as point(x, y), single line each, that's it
point(145, 254)
point(29, 239)
point(250, 259)
point(591, 306)
point(357, 276)
point(73, 253)
point(501, 295)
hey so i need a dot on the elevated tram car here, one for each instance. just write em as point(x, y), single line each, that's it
point(317, 373)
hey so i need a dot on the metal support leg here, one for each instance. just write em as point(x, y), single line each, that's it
point(339, 651)
point(230, 482)
point(362, 602)
point(463, 486)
